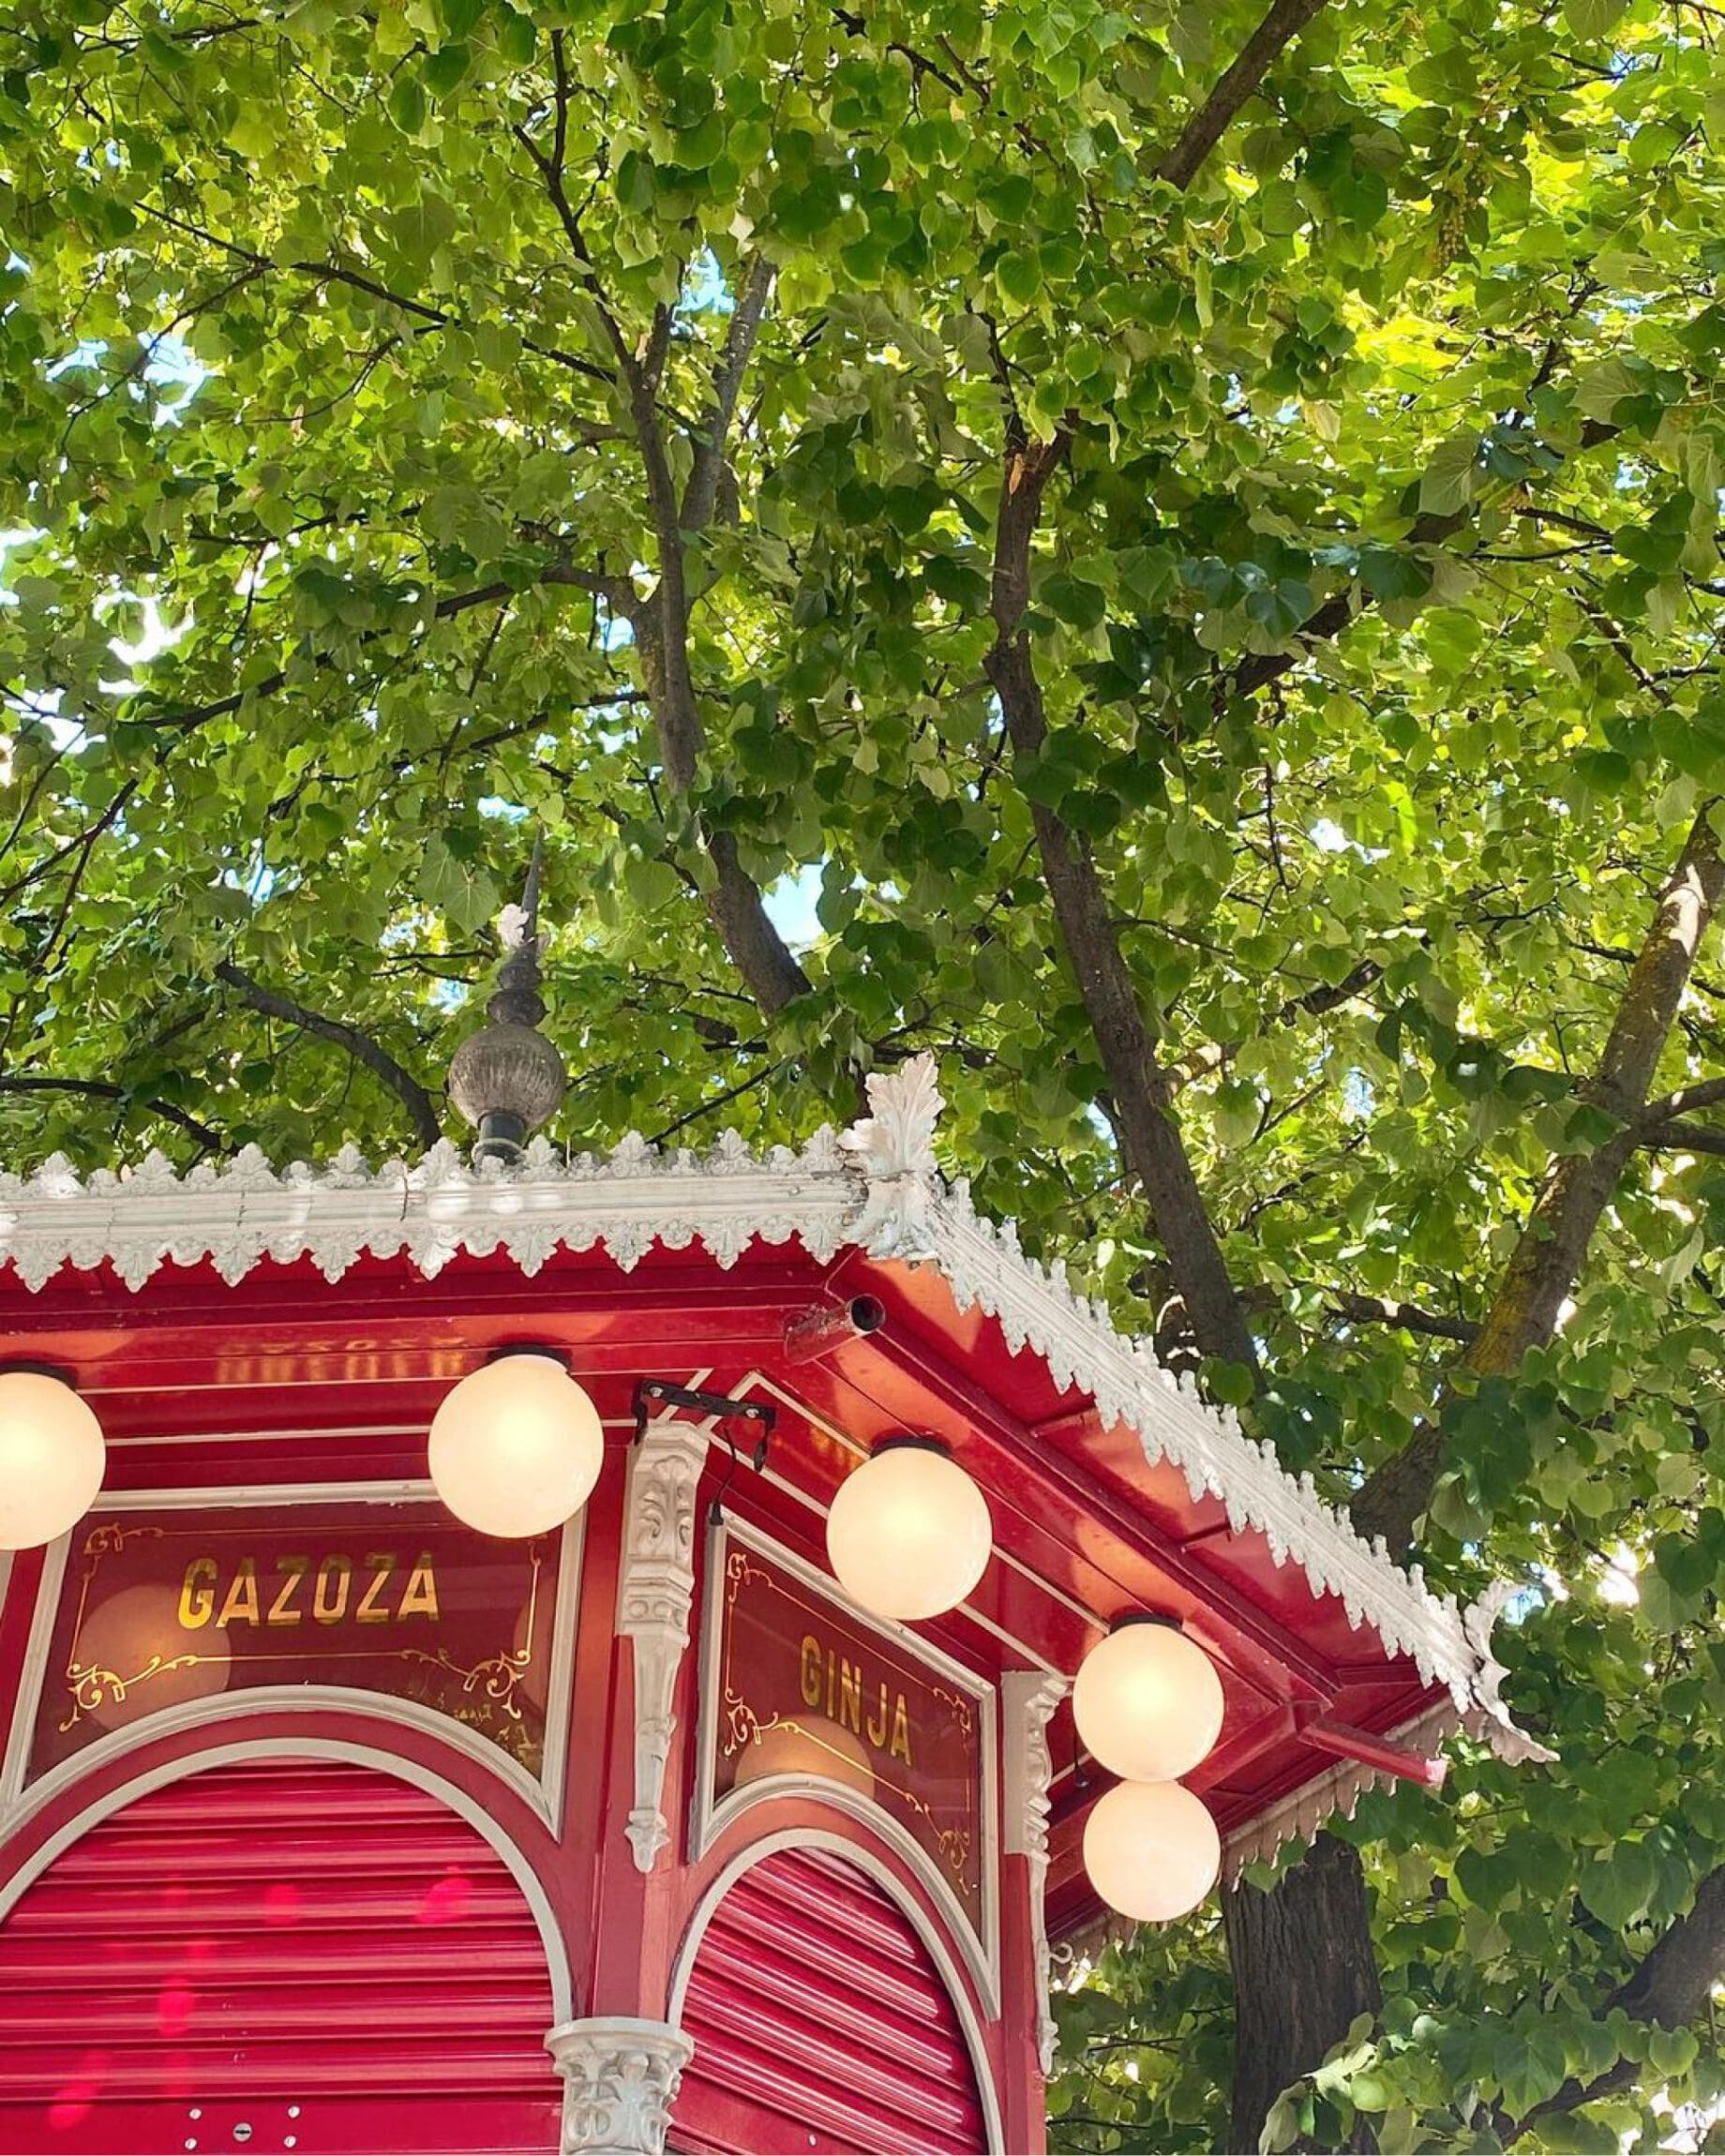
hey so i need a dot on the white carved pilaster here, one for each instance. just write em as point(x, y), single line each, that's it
point(1028, 1699)
point(654, 1599)
point(619, 2081)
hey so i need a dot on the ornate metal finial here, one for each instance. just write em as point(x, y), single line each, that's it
point(507, 1079)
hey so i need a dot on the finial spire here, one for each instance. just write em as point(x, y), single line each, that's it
point(507, 1079)
point(516, 1000)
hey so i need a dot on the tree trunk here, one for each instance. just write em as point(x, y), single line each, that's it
point(1304, 1970)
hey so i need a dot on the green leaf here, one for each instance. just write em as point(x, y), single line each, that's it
point(1593, 19)
point(1019, 278)
point(407, 104)
point(1451, 476)
point(1618, 1885)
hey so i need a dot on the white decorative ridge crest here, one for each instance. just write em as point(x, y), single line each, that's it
point(874, 1188)
point(896, 1151)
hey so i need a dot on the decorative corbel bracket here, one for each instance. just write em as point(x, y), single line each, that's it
point(655, 1593)
point(1028, 1699)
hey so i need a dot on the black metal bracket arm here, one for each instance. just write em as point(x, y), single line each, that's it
point(654, 1391)
point(658, 1392)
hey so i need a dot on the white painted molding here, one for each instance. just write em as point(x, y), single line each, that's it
point(894, 1148)
point(1337, 1791)
point(655, 1593)
point(1028, 1699)
point(876, 1189)
point(867, 1862)
point(620, 2077)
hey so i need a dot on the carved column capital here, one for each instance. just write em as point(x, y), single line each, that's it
point(1028, 1699)
point(655, 1595)
point(619, 2081)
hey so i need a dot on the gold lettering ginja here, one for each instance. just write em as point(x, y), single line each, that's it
point(832, 1683)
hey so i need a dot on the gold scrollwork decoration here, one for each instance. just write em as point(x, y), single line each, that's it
point(109, 1537)
point(743, 1725)
point(94, 1686)
point(90, 1685)
point(963, 1712)
point(496, 1677)
point(953, 1843)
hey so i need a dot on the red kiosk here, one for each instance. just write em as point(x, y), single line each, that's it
point(328, 1823)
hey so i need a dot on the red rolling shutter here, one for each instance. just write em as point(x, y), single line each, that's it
point(821, 2025)
point(302, 1956)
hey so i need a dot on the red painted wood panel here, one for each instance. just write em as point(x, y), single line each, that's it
point(821, 2025)
point(312, 1950)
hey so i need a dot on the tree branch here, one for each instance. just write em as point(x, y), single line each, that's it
point(1284, 22)
point(1385, 1310)
point(1142, 1099)
point(563, 574)
point(1214, 1055)
point(1327, 622)
point(1685, 1101)
point(338, 272)
point(104, 1090)
point(360, 1046)
point(1669, 1989)
point(661, 623)
point(702, 491)
point(1674, 1135)
point(1548, 1258)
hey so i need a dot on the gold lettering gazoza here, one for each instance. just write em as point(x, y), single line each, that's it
point(198, 1594)
point(291, 1570)
point(390, 1597)
point(207, 1594)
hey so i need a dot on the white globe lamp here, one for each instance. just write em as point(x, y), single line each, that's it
point(812, 1748)
point(51, 1457)
point(1151, 1850)
point(516, 1446)
point(910, 1534)
point(1148, 1702)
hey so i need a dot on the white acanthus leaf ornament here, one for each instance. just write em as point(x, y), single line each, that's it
point(893, 1149)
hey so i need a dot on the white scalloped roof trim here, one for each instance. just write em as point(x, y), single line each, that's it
point(861, 1191)
point(1297, 1816)
point(1035, 1307)
point(243, 1211)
